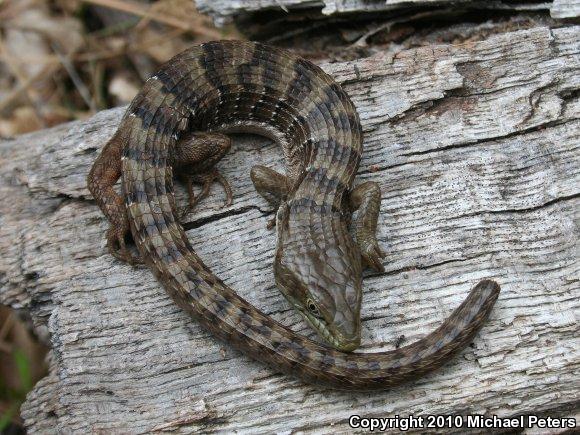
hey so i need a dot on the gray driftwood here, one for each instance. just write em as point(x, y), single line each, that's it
point(223, 11)
point(476, 147)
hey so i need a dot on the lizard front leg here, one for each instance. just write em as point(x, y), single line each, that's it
point(271, 185)
point(101, 181)
point(194, 161)
point(366, 199)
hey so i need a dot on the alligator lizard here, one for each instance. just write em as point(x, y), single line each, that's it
point(175, 124)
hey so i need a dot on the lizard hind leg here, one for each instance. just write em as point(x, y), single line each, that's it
point(194, 160)
point(101, 181)
point(271, 185)
point(366, 199)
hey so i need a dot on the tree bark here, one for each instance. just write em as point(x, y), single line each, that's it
point(476, 149)
point(223, 11)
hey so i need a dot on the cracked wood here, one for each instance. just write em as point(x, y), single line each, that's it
point(472, 141)
point(223, 11)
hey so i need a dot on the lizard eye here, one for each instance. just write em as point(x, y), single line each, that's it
point(313, 308)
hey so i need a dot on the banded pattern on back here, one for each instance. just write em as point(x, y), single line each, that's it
point(231, 84)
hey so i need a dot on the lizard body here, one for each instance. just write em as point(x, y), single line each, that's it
point(241, 86)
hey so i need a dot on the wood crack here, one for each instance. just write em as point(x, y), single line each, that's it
point(547, 204)
point(470, 143)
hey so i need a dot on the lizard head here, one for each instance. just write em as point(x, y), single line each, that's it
point(324, 284)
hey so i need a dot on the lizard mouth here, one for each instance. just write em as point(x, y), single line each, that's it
point(333, 338)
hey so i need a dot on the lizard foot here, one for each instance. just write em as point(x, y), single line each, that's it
point(372, 255)
point(118, 246)
point(206, 179)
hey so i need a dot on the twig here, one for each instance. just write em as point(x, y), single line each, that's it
point(24, 84)
point(77, 81)
point(145, 12)
point(21, 88)
point(362, 41)
point(296, 32)
point(52, 60)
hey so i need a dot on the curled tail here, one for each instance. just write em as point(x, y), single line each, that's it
point(154, 121)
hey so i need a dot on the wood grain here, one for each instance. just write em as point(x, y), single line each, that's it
point(223, 11)
point(476, 147)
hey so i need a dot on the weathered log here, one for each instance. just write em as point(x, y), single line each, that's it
point(223, 11)
point(565, 9)
point(476, 148)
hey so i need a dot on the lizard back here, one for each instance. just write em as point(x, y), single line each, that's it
point(242, 86)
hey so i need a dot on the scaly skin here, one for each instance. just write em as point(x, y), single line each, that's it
point(241, 86)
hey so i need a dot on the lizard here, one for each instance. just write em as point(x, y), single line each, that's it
point(178, 124)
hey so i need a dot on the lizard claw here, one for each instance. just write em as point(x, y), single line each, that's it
point(372, 255)
point(206, 179)
point(118, 248)
point(227, 188)
point(271, 223)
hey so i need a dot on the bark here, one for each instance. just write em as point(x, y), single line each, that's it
point(476, 149)
point(223, 11)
